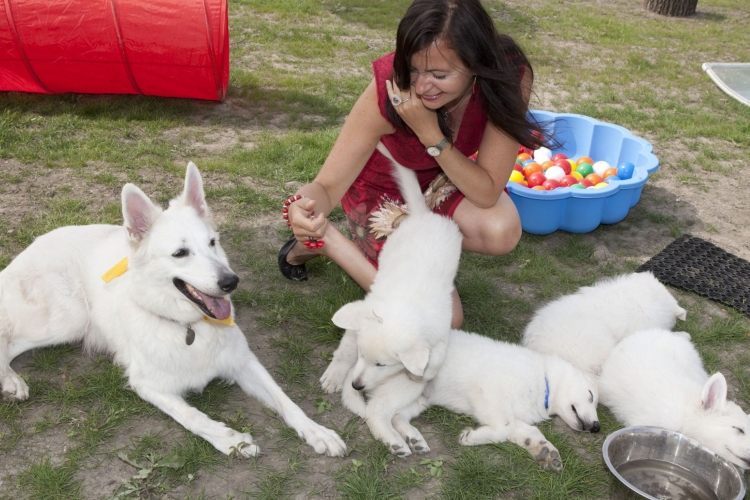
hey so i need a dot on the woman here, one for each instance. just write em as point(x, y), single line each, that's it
point(452, 88)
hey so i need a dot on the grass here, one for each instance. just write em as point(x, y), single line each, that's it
point(297, 67)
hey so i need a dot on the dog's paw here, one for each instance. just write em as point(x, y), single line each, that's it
point(237, 444)
point(333, 378)
point(547, 457)
point(323, 440)
point(466, 437)
point(14, 387)
point(401, 450)
point(414, 439)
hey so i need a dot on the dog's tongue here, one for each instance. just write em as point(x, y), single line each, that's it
point(219, 306)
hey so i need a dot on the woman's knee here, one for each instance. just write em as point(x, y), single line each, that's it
point(501, 235)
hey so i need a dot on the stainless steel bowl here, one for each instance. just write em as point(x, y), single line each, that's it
point(663, 465)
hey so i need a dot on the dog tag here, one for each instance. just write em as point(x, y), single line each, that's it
point(190, 335)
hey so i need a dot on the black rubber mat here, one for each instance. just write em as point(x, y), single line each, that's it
point(698, 266)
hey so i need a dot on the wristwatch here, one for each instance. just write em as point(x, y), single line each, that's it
point(437, 148)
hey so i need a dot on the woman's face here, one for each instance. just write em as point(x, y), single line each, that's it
point(438, 76)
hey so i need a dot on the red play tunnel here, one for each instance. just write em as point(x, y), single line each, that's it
point(170, 48)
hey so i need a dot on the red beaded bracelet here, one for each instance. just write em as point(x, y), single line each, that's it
point(312, 244)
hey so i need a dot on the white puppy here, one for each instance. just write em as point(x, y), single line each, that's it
point(507, 389)
point(656, 378)
point(402, 325)
point(163, 311)
point(585, 326)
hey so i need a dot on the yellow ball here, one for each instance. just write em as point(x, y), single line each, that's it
point(576, 175)
point(601, 185)
point(517, 176)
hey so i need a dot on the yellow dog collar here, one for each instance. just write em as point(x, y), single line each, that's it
point(121, 267)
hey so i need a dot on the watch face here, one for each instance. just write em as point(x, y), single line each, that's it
point(433, 151)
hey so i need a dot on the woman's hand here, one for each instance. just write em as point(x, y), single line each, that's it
point(422, 120)
point(306, 226)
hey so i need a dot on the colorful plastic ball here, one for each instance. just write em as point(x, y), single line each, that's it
point(531, 168)
point(551, 184)
point(568, 180)
point(577, 175)
point(585, 159)
point(601, 185)
point(585, 183)
point(523, 157)
point(547, 164)
point(573, 164)
point(585, 169)
point(539, 187)
point(612, 178)
point(555, 172)
point(519, 162)
point(517, 166)
point(625, 170)
point(578, 186)
point(600, 166)
point(565, 165)
point(536, 179)
point(530, 160)
point(594, 179)
point(517, 176)
point(542, 154)
point(609, 172)
point(559, 156)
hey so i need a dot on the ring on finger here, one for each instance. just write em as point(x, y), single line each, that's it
point(396, 100)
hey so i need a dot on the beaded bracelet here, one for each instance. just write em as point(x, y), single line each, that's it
point(312, 244)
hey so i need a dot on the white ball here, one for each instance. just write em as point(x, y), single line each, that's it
point(554, 172)
point(600, 166)
point(542, 154)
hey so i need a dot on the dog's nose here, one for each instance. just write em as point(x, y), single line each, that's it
point(228, 282)
point(358, 386)
point(595, 426)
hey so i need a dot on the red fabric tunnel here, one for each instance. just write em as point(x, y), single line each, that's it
point(169, 48)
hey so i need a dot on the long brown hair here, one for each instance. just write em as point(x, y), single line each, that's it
point(496, 59)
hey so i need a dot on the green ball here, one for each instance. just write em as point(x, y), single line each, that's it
point(585, 169)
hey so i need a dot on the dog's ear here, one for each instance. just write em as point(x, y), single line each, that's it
point(193, 194)
point(138, 212)
point(415, 359)
point(349, 317)
point(714, 394)
point(680, 313)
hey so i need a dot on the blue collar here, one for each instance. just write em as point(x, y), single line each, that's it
point(546, 393)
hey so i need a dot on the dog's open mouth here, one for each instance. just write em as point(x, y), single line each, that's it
point(213, 307)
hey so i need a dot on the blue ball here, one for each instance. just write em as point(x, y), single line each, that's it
point(625, 170)
point(531, 160)
point(613, 178)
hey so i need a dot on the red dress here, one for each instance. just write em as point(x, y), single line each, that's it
point(373, 202)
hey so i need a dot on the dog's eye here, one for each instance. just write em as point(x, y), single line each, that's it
point(212, 243)
point(573, 407)
point(182, 252)
point(379, 365)
point(592, 397)
point(741, 431)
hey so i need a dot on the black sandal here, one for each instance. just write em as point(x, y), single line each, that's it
point(295, 273)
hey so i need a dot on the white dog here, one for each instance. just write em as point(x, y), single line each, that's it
point(585, 326)
point(402, 325)
point(163, 312)
point(507, 389)
point(656, 378)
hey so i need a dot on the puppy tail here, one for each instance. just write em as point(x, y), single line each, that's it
point(407, 181)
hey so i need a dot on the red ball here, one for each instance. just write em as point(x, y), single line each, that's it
point(517, 166)
point(563, 164)
point(559, 156)
point(568, 180)
point(536, 179)
point(551, 184)
point(585, 183)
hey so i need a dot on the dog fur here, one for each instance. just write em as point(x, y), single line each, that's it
point(585, 326)
point(177, 274)
point(403, 323)
point(656, 378)
point(507, 389)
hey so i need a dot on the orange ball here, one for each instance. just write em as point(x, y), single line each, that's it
point(609, 172)
point(547, 164)
point(530, 168)
point(539, 187)
point(594, 179)
point(584, 159)
point(524, 156)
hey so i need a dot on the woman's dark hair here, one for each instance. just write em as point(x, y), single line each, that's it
point(496, 59)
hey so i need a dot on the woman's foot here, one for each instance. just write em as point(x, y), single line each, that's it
point(291, 271)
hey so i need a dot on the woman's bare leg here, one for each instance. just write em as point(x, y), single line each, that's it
point(489, 231)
